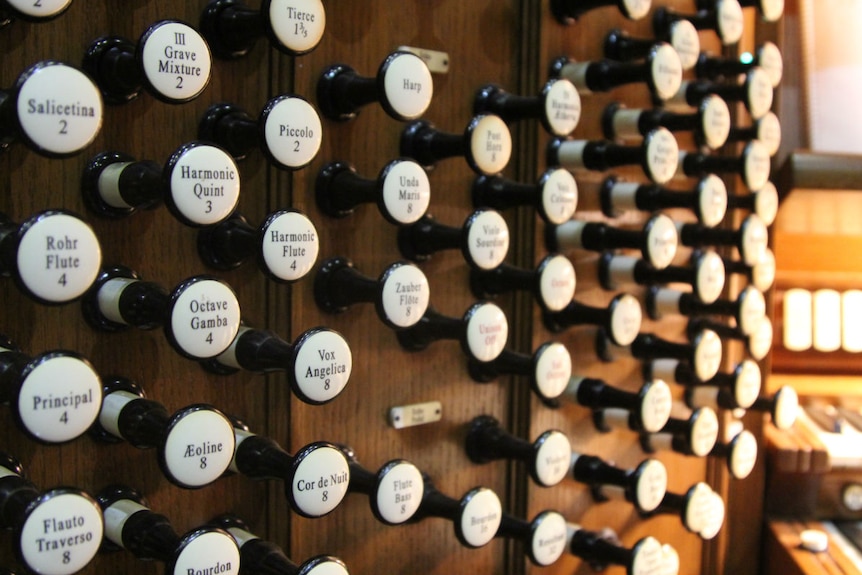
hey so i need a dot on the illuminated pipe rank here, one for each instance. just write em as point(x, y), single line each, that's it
point(483, 239)
point(681, 35)
point(55, 109)
point(543, 538)
point(171, 60)
point(695, 436)
point(657, 155)
point(548, 369)
point(195, 445)
point(486, 144)
point(767, 57)
point(748, 309)
point(602, 548)
point(761, 274)
point(476, 517)
point(260, 556)
point(621, 319)
point(758, 343)
point(547, 458)
point(316, 478)
point(394, 492)
point(750, 239)
point(288, 130)
point(703, 351)
point(55, 396)
point(232, 28)
point(317, 364)
point(29, 11)
point(705, 275)
point(131, 525)
point(723, 16)
point(753, 165)
point(568, 11)
point(558, 107)
point(708, 200)
point(401, 191)
point(403, 86)
point(737, 389)
point(755, 92)
point(770, 10)
point(657, 240)
point(400, 295)
point(200, 184)
point(660, 70)
point(648, 409)
point(710, 122)
point(482, 331)
point(700, 508)
point(57, 531)
point(285, 245)
point(54, 256)
point(555, 196)
point(763, 203)
point(200, 316)
point(552, 283)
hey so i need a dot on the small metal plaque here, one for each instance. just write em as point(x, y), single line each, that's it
point(402, 416)
point(437, 61)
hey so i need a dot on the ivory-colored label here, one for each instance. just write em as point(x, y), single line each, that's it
point(647, 558)
point(290, 245)
point(59, 108)
point(405, 295)
point(652, 485)
point(549, 538)
point(298, 24)
point(293, 132)
point(406, 192)
point(712, 200)
point(490, 144)
point(61, 534)
point(323, 365)
point(707, 355)
point(662, 155)
point(208, 553)
point(205, 184)
point(199, 447)
point(786, 408)
point(399, 492)
point(560, 196)
point(769, 133)
point(552, 458)
point(60, 398)
point(686, 41)
point(704, 432)
point(760, 93)
point(752, 309)
point(487, 332)
point(205, 318)
point(763, 272)
point(562, 107)
point(480, 517)
point(408, 86)
point(656, 406)
point(760, 342)
point(666, 71)
point(730, 21)
point(710, 277)
point(320, 481)
point(757, 166)
point(557, 283)
point(488, 239)
point(176, 60)
point(743, 454)
point(58, 257)
point(755, 238)
point(662, 241)
point(715, 121)
point(39, 8)
point(625, 320)
point(553, 370)
point(769, 57)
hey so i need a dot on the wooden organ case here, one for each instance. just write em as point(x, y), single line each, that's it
point(510, 43)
